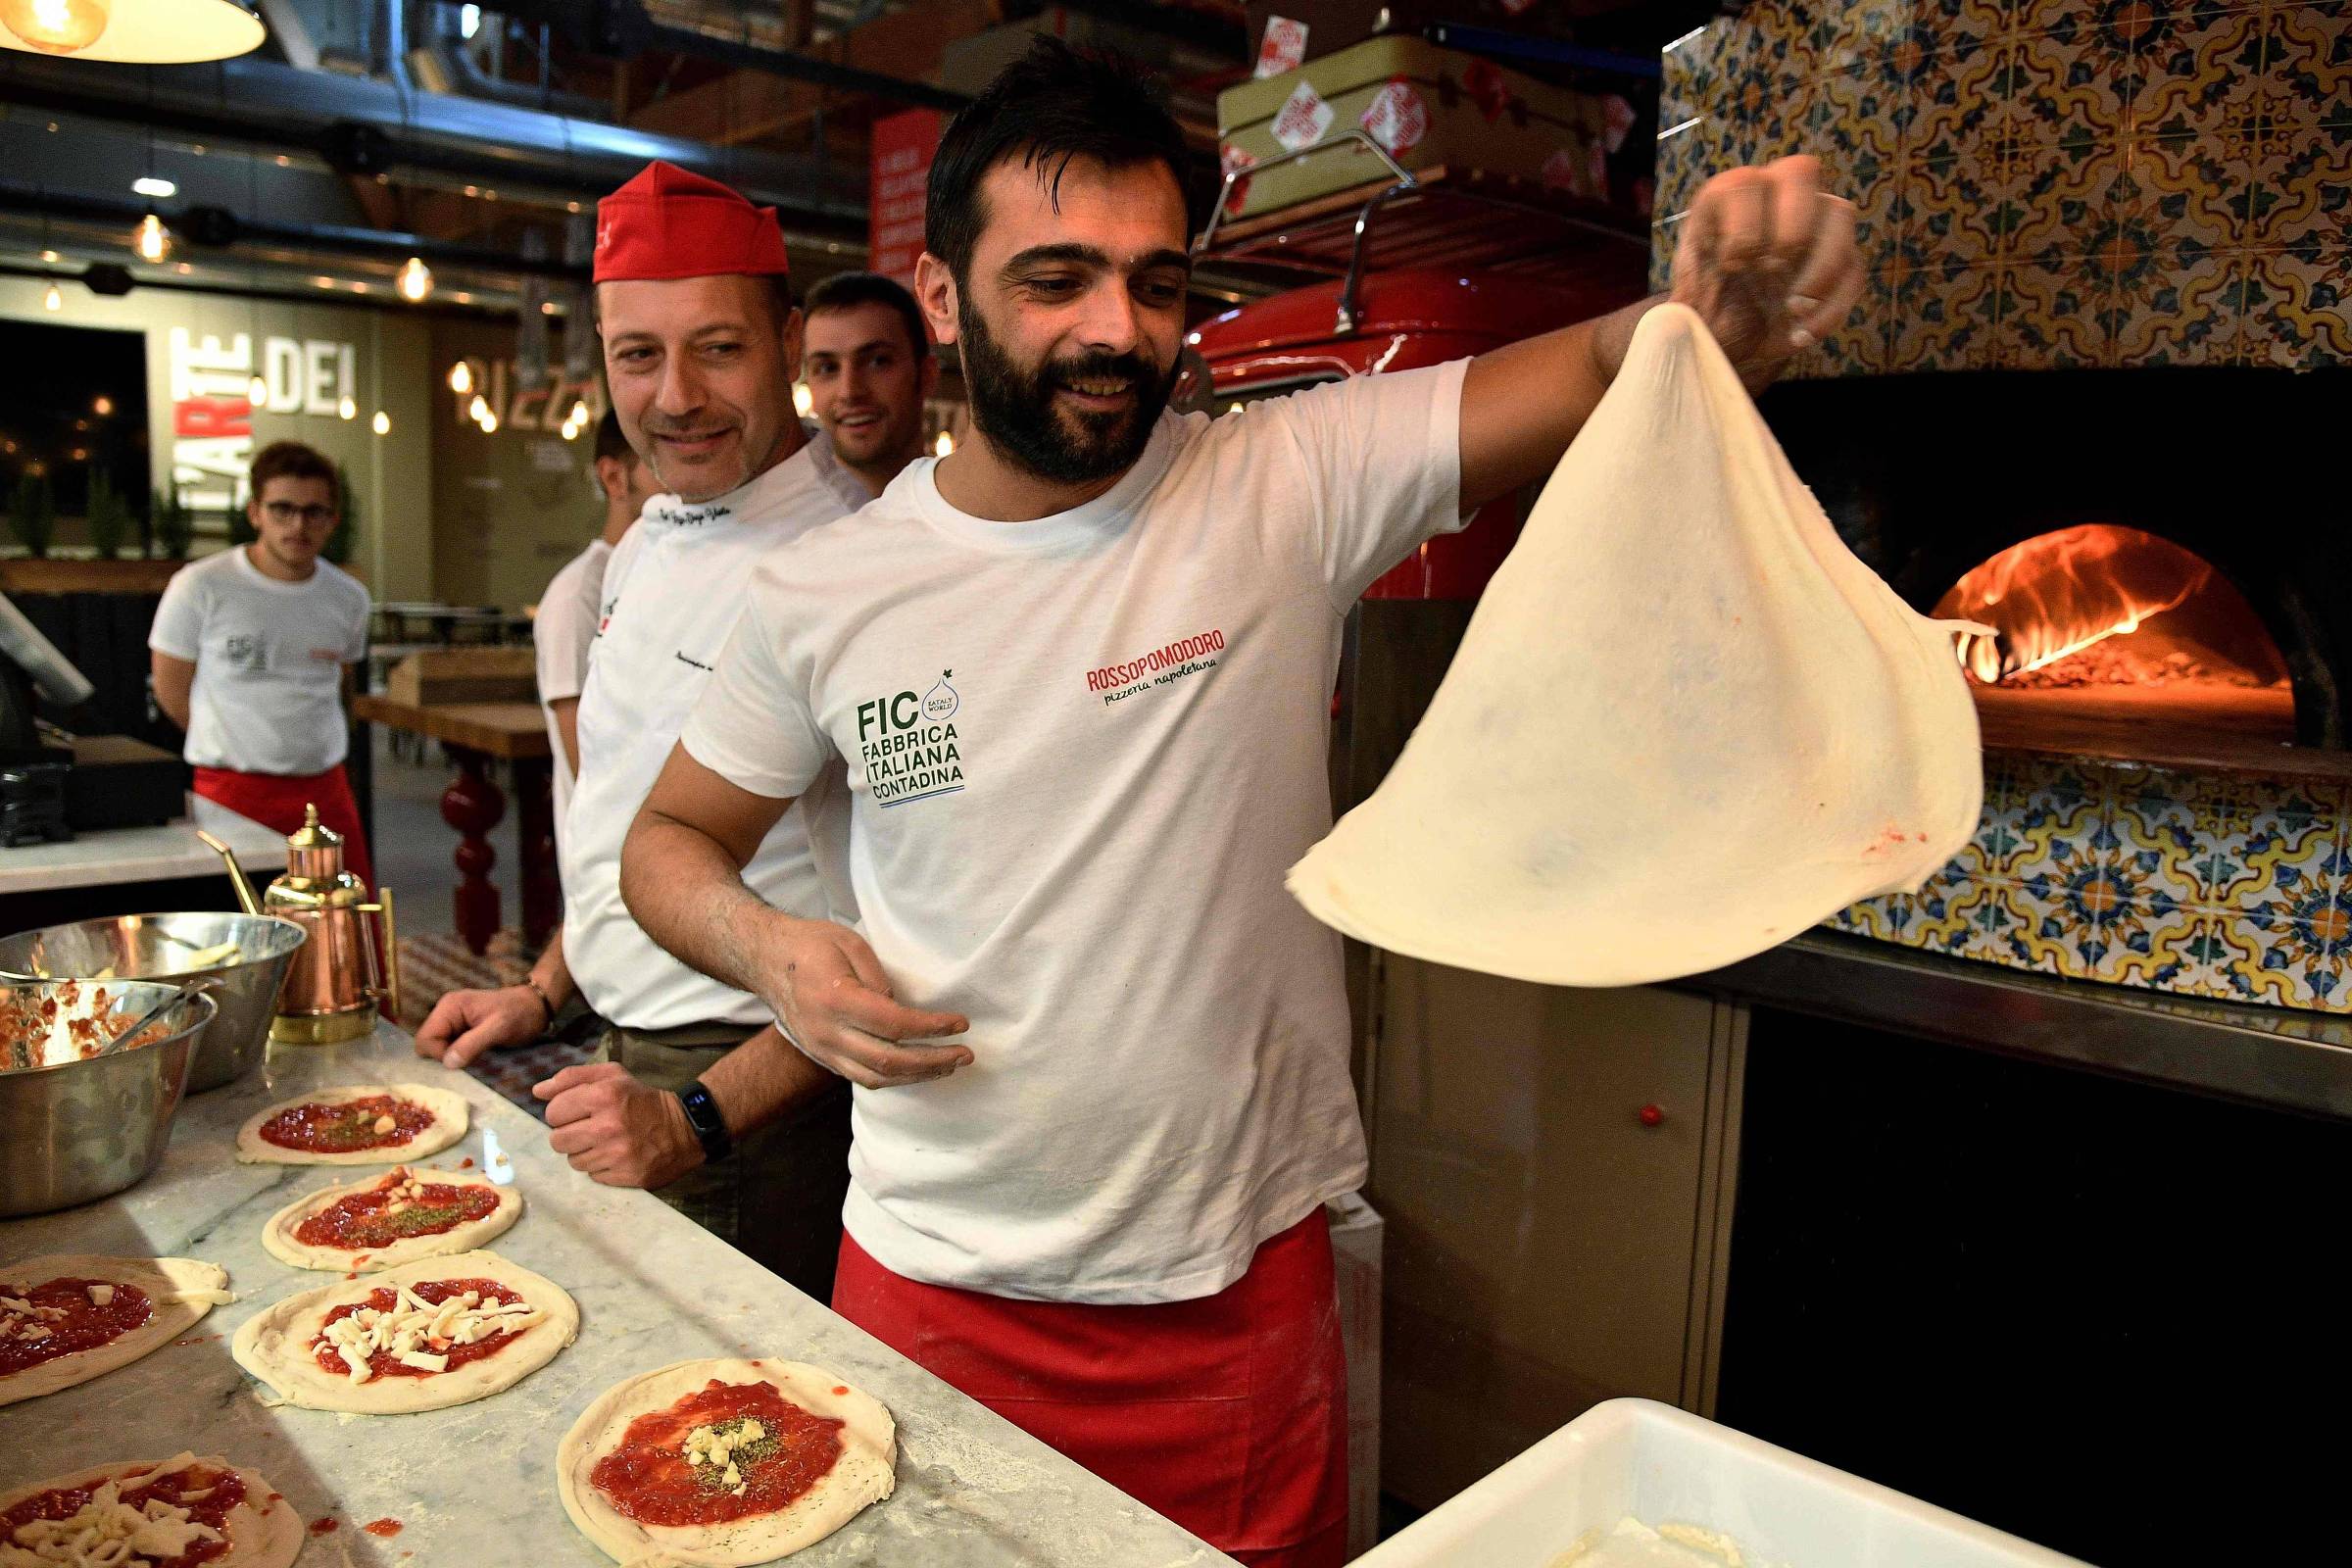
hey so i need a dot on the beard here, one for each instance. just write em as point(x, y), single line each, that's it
point(1015, 408)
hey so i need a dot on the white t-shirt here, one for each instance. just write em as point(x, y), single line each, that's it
point(560, 634)
point(269, 656)
point(673, 592)
point(1082, 751)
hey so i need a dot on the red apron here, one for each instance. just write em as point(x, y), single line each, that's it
point(277, 803)
point(1228, 1414)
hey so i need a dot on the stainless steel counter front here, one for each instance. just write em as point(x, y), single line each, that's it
point(2274, 1057)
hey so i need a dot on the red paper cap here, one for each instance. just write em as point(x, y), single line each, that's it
point(670, 222)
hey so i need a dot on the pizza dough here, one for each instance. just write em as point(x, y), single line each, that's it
point(1684, 725)
point(262, 1529)
point(448, 1125)
point(278, 1345)
point(179, 1292)
point(401, 1183)
point(864, 1472)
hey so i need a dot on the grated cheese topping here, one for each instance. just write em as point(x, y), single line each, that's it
point(416, 1333)
point(108, 1533)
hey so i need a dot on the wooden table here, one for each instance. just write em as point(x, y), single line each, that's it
point(473, 733)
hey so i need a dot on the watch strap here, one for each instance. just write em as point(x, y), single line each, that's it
point(701, 1114)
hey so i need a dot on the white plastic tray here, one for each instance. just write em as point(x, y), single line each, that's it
point(1666, 1466)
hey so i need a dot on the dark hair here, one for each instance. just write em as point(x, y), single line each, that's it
point(845, 290)
point(1052, 105)
point(291, 460)
point(610, 443)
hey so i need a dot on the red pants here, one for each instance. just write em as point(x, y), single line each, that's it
point(1228, 1414)
point(277, 803)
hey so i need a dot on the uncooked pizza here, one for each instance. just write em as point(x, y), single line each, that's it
point(425, 1336)
point(138, 1513)
point(69, 1318)
point(383, 1221)
point(724, 1462)
point(358, 1124)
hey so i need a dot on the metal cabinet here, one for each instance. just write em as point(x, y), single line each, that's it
point(1552, 1167)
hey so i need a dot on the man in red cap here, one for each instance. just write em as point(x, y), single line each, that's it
point(698, 1096)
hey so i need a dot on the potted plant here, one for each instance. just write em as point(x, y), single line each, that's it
point(174, 526)
point(33, 517)
point(109, 518)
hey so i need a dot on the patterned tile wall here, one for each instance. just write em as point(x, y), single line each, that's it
point(2048, 183)
point(2209, 885)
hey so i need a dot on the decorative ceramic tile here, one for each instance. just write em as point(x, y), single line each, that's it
point(1961, 94)
point(2294, 960)
point(2149, 943)
point(2069, 86)
point(1964, 207)
point(2307, 66)
point(1943, 316)
point(2186, 309)
point(2053, 315)
point(2061, 193)
point(2046, 16)
point(2297, 312)
point(2063, 809)
point(1962, 19)
point(2299, 191)
point(2202, 76)
point(2193, 192)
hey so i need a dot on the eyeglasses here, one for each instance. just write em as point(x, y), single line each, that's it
point(288, 512)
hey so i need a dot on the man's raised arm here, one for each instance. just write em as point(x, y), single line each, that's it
point(1766, 259)
point(681, 875)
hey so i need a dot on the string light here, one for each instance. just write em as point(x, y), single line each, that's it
point(154, 241)
point(383, 422)
point(489, 423)
point(415, 280)
point(349, 408)
point(579, 413)
point(804, 401)
point(257, 392)
point(479, 407)
point(945, 444)
point(53, 299)
point(460, 377)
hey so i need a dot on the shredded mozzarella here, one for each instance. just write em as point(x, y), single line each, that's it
point(413, 1331)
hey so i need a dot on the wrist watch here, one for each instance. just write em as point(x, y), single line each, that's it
point(701, 1114)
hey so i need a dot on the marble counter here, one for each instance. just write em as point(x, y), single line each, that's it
point(475, 1486)
point(145, 854)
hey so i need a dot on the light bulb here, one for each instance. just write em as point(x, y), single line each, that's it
point(578, 414)
point(416, 279)
point(55, 27)
point(154, 241)
point(349, 409)
point(804, 401)
point(257, 392)
point(489, 423)
point(52, 300)
point(945, 444)
point(571, 431)
point(383, 422)
point(479, 407)
point(460, 377)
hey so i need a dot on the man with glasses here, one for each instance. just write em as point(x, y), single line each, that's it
point(251, 651)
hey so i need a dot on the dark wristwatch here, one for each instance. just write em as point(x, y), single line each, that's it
point(701, 1114)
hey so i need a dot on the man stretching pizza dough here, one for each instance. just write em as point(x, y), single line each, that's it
point(1080, 671)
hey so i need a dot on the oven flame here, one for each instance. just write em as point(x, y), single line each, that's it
point(2058, 594)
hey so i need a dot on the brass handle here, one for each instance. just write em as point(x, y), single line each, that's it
point(383, 962)
point(236, 872)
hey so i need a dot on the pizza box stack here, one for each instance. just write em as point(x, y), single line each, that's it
point(1427, 107)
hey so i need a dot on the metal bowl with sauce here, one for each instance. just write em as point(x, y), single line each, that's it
point(248, 953)
point(82, 1117)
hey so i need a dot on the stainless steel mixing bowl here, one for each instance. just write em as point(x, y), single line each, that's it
point(150, 947)
point(75, 1130)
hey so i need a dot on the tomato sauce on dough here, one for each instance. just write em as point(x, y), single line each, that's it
point(347, 1127)
point(85, 1326)
point(649, 1478)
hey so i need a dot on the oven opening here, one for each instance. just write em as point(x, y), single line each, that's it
point(2101, 624)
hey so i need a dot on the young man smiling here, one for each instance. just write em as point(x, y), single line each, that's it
point(1100, 1211)
point(250, 652)
point(870, 368)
